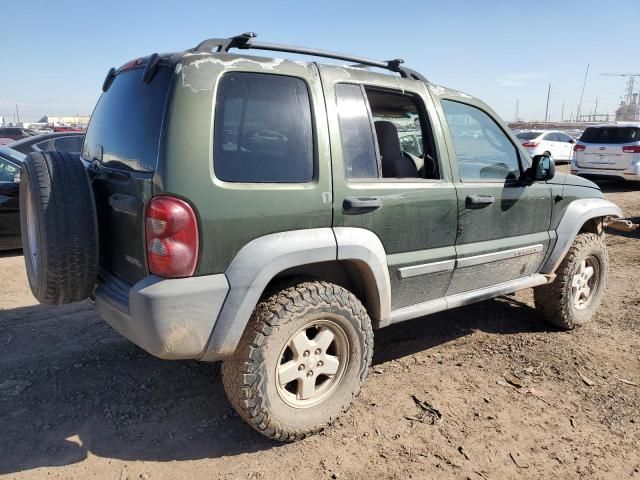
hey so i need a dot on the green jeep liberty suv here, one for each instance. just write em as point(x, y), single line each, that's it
point(272, 213)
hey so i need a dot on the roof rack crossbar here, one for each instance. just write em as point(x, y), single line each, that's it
point(245, 41)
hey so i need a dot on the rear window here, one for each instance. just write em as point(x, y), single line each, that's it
point(611, 135)
point(527, 135)
point(127, 121)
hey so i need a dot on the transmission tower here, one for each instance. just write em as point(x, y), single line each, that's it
point(629, 102)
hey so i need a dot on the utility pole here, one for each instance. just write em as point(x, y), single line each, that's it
point(517, 107)
point(546, 112)
point(17, 113)
point(595, 111)
point(584, 84)
point(562, 114)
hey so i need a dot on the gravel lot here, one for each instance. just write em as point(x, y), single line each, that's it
point(79, 401)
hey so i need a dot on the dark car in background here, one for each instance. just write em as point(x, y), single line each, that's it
point(10, 166)
point(61, 142)
point(15, 133)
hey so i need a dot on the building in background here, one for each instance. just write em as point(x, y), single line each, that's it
point(77, 120)
point(628, 111)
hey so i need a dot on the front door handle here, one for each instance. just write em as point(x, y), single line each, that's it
point(479, 201)
point(362, 203)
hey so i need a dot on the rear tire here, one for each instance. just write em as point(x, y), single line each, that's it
point(572, 299)
point(301, 360)
point(59, 227)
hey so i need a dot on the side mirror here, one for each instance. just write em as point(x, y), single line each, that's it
point(543, 168)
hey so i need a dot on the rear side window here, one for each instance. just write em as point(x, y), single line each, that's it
point(611, 135)
point(127, 121)
point(527, 135)
point(263, 129)
point(71, 144)
point(43, 146)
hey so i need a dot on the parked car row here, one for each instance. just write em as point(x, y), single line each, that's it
point(10, 166)
point(11, 157)
point(600, 151)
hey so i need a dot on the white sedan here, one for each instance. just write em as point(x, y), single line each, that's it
point(557, 144)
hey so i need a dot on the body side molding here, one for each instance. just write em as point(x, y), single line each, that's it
point(577, 213)
point(426, 268)
point(500, 255)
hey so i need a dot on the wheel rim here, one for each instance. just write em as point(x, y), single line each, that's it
point(32, 234)
point(585, 282)
point(312, 364)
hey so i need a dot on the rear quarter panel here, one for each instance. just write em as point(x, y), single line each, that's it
point(233, 214)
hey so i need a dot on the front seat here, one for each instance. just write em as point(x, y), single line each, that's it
point(394, 163)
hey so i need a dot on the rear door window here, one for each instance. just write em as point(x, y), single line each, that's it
point(356, 133)
point(611, 135)
point(127, 121)
point(263, 129)
point(396, 123)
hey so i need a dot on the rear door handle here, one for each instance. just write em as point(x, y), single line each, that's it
point(362, 203)
point(479, 201)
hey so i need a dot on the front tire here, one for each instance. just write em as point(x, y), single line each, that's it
point(300, 361)
point(572, 299)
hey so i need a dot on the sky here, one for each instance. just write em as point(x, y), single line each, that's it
point(55, 54)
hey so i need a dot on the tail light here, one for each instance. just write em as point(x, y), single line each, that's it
point(530, 144)
point(578, 148)
point(172, 237)
point(631, 149)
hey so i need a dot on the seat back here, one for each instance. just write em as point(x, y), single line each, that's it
point(394, 163)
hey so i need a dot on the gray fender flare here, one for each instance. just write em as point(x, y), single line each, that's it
point(366, 249)
point(258, 262)
point(575, 216)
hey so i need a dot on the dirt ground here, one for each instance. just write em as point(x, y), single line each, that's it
point(79, 401)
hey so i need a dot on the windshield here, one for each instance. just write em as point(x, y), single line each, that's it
point(611, 135)
point(527, 135)
point(12, 154)
point(127, 120)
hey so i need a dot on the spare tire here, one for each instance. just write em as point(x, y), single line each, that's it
point(59, 227)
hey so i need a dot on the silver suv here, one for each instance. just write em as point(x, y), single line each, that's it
point(608, 151)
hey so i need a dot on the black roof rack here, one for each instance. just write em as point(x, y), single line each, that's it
point(245, 41)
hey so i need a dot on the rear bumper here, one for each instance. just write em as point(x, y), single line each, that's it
point(632, 173)
point(169, 318)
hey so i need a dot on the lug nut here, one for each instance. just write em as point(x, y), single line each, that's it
point(318, 351)
point(320, 363)
point(310, 373)
point(306, 353)
point(301, 367)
